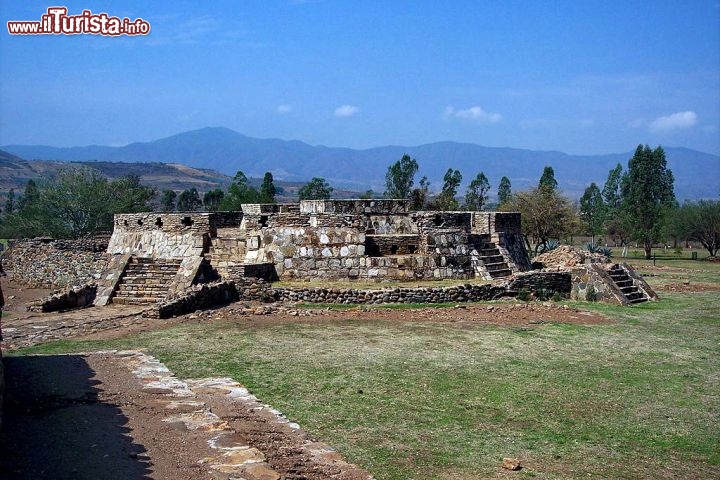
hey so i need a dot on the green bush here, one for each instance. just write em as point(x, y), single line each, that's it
point(591, 295)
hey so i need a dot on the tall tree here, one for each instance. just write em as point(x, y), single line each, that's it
point(477, 193)
point(647, 191)
point(212, 199)
point(547, 180)
point(592, 211)
point(189, 200)
point(399, 178)
point(267, 189)
point(167, 200)
point(239, 192)
point(315, 189)
point(419, 196)
point(700, 221)
point(31, 195)
point(10, 202)
point(446, 199)
point(545, 215)
point(615, 226)
point(504, 190)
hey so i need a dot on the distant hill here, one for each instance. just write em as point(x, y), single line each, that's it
point(697, 174)
point(15, 172)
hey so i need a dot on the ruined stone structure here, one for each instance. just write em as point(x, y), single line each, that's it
point(179, 262)
point(158, 255)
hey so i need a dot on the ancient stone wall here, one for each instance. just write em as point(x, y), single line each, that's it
point(47, 263)
point(160, 235)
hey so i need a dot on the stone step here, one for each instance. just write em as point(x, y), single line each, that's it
point(634, 296)
point(624, 283)
point(145, 278)
point(152, 268)
point(491, 267)
point(141, 288)
point(500, 273)
point(628, 289)
point(638, 300)
point(135, 300)
point(489, 259)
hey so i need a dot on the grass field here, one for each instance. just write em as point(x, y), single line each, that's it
point(637, 398)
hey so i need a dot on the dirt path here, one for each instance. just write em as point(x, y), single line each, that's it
point(124, 416)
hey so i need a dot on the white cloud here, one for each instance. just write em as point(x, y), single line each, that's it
point(346, 111)
point(473, 113)
point(674, 121)
point(284, 109)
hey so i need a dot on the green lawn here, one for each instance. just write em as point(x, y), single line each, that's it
point(639, 398)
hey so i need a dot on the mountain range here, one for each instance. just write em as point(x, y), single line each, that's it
point(697, 174)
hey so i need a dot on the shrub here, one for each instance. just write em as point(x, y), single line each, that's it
point(523, 294)
point(591, 295)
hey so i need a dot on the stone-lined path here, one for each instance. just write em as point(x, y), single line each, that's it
point(124, 415)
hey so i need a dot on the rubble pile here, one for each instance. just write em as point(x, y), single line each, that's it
point(565, 257)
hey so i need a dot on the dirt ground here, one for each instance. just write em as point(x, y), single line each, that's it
point(91, 416)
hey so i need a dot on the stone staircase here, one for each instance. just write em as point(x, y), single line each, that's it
point(145, 280)
point(626, 285)
point(490, 260)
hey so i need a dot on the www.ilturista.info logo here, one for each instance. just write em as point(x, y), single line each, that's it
point(57, 22)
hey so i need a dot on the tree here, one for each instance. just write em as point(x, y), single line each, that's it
point(128, 195)
point(239, 192)
point(611, 190)
point(545, 215)
point(504, 190)
point(75, 203)
point(30, 196)
point(212, 199)
point(316, 189)
point(647, 192)
point(446, 199)
point(399, 178)
point(477, 193)
point(10, 202)
point(700, 221)
point(419, 196)
point(547, 180)
point(189, 200)
point(367, 195)
point(615, 226)
point(592, 211)
point(267, 189)
point(167, 201)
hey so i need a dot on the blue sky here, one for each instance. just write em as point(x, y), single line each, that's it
point(575, 76)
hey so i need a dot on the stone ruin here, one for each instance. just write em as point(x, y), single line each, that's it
point(153, 254)
point(184, 261)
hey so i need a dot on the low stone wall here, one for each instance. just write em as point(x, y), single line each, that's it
point(47, 263)
point(76, 297)
point(460, 293)
point(543, 284)
point(535, 283)
point(593, 279)
point(197, 297)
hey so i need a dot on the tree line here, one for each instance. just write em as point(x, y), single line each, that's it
point(634, 205)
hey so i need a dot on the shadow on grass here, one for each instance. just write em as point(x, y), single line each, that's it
point(54, 426)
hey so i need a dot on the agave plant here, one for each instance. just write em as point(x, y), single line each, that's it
point(549, 245)
point(599, 249)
